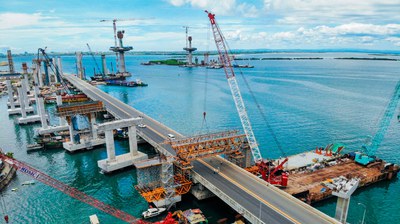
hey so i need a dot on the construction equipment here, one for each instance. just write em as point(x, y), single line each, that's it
point(367, 155)
point(95, 62)
point(225, 60)
point(73, 192)
point(54, 68)
point(273, 174)
point(237, 97)
point(115, 33)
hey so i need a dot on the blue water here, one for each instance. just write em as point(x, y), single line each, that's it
point(308, 103)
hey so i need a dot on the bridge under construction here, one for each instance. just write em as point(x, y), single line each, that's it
point(183, 164)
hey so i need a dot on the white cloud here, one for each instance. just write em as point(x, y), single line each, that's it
point(247, 10)
point(12, 20)
point(177, 2)
point(220, 7)
point(394, 40)
point(333, 12)
point(360, 28)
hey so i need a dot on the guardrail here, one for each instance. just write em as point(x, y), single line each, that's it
point(280, 192)
point(235, 205)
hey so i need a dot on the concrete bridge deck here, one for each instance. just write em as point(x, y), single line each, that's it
point(250, 196)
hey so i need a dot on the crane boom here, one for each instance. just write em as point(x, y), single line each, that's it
point(73, 192)
point(237, 97)
point(54, 68)
point(384, 123)
point(94, 59)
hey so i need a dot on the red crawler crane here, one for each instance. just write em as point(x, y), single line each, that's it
point(73, 192)
point(277, 176)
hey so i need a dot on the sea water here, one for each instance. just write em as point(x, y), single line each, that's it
point(307, 103)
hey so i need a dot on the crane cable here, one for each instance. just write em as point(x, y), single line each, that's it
point(204, 123)
point(264, 117)
point(3, 207)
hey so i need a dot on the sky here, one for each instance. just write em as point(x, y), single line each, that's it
point(157, 25)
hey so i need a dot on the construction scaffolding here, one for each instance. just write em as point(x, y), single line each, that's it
point(158, 179)
point(166, 177)
point(203, 146)
point(68, 110)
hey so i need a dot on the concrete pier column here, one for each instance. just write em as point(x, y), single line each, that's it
point(93, 125)
point(10, 94)
point(26, 80)
point(54, 62)
point(60, 66)
point(79, 64)
point(110, 145)
point(42, 112)
point(343, 202)
point(104, 64)
point(122, 62)
point(34, 74)
point(46, 73)
point(10, 61)
point(132, 140)
point(59, 103)
point(36, 94)
point(24, 68)
point(71, 132)
point(24, 93)
point(21, 101)
point(39, 73)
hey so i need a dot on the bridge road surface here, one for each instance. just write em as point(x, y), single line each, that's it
point(266, 202)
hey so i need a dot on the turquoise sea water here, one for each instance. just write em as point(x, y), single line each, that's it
point(308, 103)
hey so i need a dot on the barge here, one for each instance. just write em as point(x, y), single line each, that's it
point(312, 175)
point(7, 172)
point(125, 83)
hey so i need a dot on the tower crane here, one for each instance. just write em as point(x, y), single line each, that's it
point(367, 155)
point(187, 33)
point(263, 166)
point(114, 21)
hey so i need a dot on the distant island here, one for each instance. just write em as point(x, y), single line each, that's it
point(285, 58)
point(377, 59)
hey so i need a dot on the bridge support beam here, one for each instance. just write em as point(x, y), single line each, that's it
point(88, 142)
point(200, 192)
point(24, 103)
point(45, 129)
point(343, 202)
point(114, 162)
point(21, 97)
point(132, 141)
point(110, 145)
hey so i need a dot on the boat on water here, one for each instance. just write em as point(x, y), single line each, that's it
point(7, 172)
point(151, 212)
point(215, 66)
point(191, 216)
point(125, 83)
point(243, 66)
point(35, 146)
point(50, 141)
point(118, 76)
point(29, 182)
